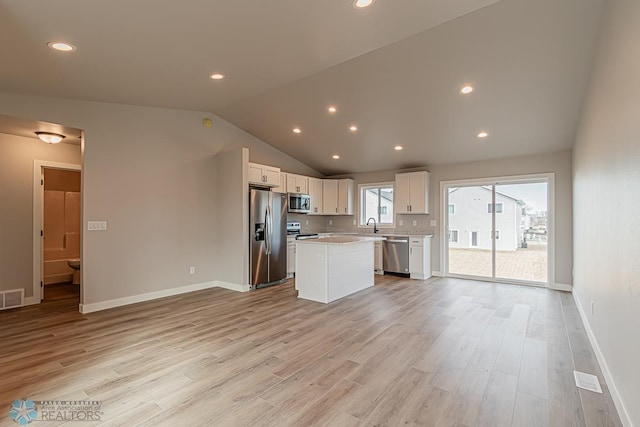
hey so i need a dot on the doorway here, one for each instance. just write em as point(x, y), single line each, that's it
point(57, 229)
point(499, 229)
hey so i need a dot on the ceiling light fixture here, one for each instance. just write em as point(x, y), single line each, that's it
point(483, 135)
point(61, 46)
point(398, 148)
point(332, 109)
point(353, 128)
point(335, 157)
point(217, 76)
point(50, 138)
point(466, 90)
point(361, 4)
point(297, 130)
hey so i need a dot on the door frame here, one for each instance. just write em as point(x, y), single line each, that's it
point(38, 224)
point(551, 238)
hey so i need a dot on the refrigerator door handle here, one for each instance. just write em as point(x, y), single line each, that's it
point(268, 226)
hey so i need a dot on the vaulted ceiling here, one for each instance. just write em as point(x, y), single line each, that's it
point(394, 70)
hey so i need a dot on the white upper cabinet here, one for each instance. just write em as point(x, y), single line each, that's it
point(412, 193)
point(345, 196)
point(329, 197)
point(282, 188)
point(267, 176)
point(315, 192)
point(337, 197)
point(297, 184)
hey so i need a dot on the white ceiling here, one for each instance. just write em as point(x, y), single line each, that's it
point(393, 69)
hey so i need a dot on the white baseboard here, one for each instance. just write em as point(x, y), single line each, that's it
point(437, 274)
point(31, 301)
point(560, 287)
point(232, 286)
point(119, 302)
point(622, 410)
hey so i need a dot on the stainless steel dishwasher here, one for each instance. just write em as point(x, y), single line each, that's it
point(395, 254)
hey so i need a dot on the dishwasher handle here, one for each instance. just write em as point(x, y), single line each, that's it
point(397, 241)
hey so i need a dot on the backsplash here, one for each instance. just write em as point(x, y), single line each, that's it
point(344, 224)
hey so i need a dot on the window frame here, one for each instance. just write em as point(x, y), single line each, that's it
point(364, 186)
point(454, 208)
point(457, 236)
point(490, 208)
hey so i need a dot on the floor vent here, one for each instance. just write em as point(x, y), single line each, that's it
point(11, 299)
point(587, 381)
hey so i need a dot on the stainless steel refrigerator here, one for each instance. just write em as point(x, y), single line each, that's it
point(267, 237)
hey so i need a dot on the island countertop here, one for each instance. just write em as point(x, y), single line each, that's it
point(340, 240)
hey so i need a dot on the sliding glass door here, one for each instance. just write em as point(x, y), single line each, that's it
point(498, 230)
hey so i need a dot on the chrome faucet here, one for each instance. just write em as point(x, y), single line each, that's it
point(375, 229)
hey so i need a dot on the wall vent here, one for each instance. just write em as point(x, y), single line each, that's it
point(11, 299)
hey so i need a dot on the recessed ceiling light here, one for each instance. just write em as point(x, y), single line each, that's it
point(353, 128)
point(466, 90)
point(335, 157)
point(398, 147)
point(50, 138)
point(483, 135)
point(217, 76)
point(61, 46)
point(297, 130)
point(361, 4)
point(332, 109)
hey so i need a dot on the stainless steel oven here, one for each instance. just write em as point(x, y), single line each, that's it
point(299, 203)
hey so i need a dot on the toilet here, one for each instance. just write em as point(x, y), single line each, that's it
point(75, 264)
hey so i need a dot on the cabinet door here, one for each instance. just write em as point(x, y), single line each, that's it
point(302, 184)
point(416, 255)
point(330, 197)
point(345, 197)
point(377, 256)
point(255, 174)
point(282, 188)
point(291, 259)
point(271, 176)
point(418, 192)
point(401, 193)
point(315, 192)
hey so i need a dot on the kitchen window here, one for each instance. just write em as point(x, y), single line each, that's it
point(376, 201)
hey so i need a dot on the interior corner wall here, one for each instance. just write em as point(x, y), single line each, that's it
point(16, 194)
point(606, 179)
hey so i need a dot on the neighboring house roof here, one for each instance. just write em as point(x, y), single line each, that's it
point(517, 200)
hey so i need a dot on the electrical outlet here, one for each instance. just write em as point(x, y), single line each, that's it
point(415, 222)
point(96, 225)
point(192, 270)
point(306, 222)
point(400, 222)
point(330, 222)
point(593, 306)
point(433, 223)
point(354, 222)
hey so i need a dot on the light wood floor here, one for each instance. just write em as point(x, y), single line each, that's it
point(442, 352)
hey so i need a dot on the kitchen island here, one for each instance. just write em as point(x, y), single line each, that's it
point(334, 267)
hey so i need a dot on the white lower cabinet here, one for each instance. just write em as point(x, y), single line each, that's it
point(377, 258)
point(420, 257)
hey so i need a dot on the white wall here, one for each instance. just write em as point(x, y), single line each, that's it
point(151, 173)
point(606, 176)
point(16, 204)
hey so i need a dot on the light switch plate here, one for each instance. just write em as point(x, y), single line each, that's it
point(433, 223)
point(330, 222)
point(415, 222)
point(96, 225)
point(400, 222)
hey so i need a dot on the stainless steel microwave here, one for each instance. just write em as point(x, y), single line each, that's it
point(299, 203)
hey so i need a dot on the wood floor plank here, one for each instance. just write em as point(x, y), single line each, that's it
point(438, 352)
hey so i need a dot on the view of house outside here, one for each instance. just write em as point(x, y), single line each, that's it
point(520, 235)
point(378, 204)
